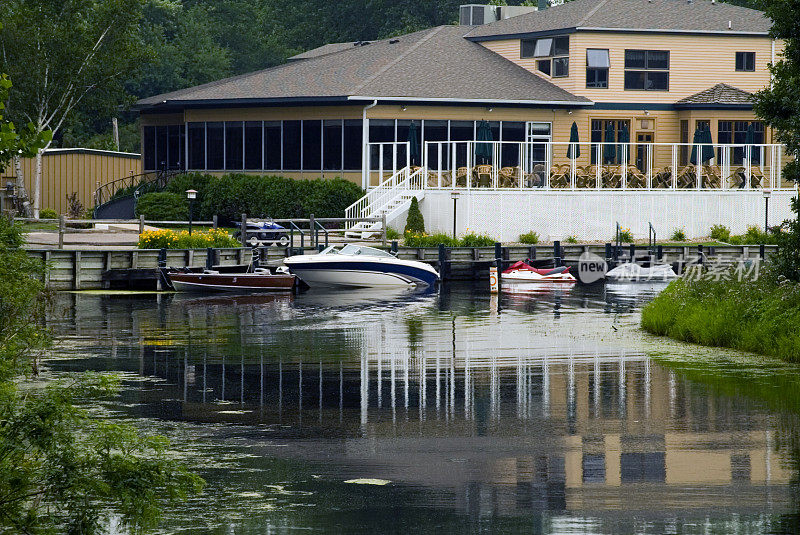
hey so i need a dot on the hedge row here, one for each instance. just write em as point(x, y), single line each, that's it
point(232, 195)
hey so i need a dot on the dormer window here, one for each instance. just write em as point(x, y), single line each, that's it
point(551, 53)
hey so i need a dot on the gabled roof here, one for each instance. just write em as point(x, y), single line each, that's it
point(664, 16)
point(323, 50)
point(718, 95)
point(436, 65)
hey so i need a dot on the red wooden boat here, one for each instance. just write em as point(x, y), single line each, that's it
point(259, 280)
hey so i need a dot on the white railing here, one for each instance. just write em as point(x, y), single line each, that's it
point(404, 183)
point(385, 158)
point(602, 165)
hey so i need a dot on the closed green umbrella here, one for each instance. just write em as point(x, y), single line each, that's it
point(624, 137)
point(708, 145)
point(483, 151)
point(609, 149)
point(574, 151)
point(696, 140)
point(413, 141)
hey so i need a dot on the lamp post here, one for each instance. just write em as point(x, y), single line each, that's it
point(191, 195)
point(454, 195)
point(767, 193)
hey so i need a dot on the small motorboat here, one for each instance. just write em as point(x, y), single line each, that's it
point(357, 266)
point(258, 280)
point(264, 233)
point(520, 272)
point(638, 273)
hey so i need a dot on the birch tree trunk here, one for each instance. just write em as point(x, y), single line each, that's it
point(37, 184)
point(22, 193)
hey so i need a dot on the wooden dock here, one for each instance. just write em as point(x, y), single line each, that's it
point(138, 269)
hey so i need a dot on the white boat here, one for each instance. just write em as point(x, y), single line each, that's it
point(360, 267)
point(636, 273)
point(520, 272)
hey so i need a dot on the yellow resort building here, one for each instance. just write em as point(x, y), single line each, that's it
point(565, 120)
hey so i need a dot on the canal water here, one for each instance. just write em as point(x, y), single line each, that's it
point(541, 411)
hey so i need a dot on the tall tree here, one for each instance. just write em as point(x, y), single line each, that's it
point(779, 104)
point(62, 54)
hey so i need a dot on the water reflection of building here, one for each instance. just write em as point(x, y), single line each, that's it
point(507, 413)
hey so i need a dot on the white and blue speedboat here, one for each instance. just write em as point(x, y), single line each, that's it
point(360, 267)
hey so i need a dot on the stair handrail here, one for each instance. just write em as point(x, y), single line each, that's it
point(383, 193)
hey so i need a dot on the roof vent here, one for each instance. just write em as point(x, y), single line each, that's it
point(730, 24)
point(393, 41)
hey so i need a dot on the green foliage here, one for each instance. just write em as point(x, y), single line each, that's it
point(678, 235)
point(272, 196)
point(779, 104)
point(476, 240)
point(751, 315)
point(392, 234)
point(624, 235)
point(531, 238)
point(414, 221)
point(720, 233)
point(25, 141)
point(170, 239)
point(163, 206)
point(48, 213)
point(787, 259)
point(754, 236)
point(60, 470)
point(571, 239)
point(434, 240)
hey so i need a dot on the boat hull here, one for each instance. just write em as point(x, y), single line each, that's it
point(231, 282)
point(362, 274)
point(523, 276)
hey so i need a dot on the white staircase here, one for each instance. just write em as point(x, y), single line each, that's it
point(391, 198)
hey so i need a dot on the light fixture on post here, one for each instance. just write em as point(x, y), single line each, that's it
point(454, 195)
point(191, 195)
point(767, 194)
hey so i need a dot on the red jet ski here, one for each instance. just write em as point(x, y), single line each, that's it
point(522, 272)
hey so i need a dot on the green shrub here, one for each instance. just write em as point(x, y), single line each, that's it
point(414, 222)
point(277, 197)
point(755, 236)
point(476, 240)
point(163, 206)
point(572, 239)
point(48, 213)
point(720, 233)
point(531, 238)
point(434, 240)
point(678, 235)
point(196, 181)
point(392, 234)
point(170, 239)
point(787, 259)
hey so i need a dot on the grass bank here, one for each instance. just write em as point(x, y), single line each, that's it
point(758, 315)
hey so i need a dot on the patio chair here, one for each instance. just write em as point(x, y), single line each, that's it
point(662, 178)
point(611, 176)
point(559, 176)
point(536, 178)
point(636, 179)
point(687, 177)
point(482, 177)
point(509, 177)
point(757, 178)
point(433, 178)
point(711, 177)
point(462, 175)
point(584, 178)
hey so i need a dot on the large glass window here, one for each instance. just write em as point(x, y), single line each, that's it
point(149, 147)
point(272, 145)
point(253, 145)
point(197, 146)
point(312, 145)
point(597, 65)
point(511, 131)
point(730, 132)
point(436, 131)
point(332, 145)
point(234, 146)
point(175, 146)
point(684, 150)
point(745, 61)
point(292, 140)
point(647, 70)
point(608, 131)
point(161, 146)
point(352, 144)
point(554, 49)
point(215, 149)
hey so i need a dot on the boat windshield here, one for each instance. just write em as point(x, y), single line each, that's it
point(353, 250)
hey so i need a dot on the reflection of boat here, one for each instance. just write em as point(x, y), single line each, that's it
point(332, 298)
point(233, 299)
point(520, 272)
point(635, 273)
point(258, 280)
point(542, 288)
point(358, 266)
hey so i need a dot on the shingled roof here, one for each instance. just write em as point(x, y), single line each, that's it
point(435, 65)
point(667, 16)
point(324, 50)
point(718, 95)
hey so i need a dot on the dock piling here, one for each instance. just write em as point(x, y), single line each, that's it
point(557, 256)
